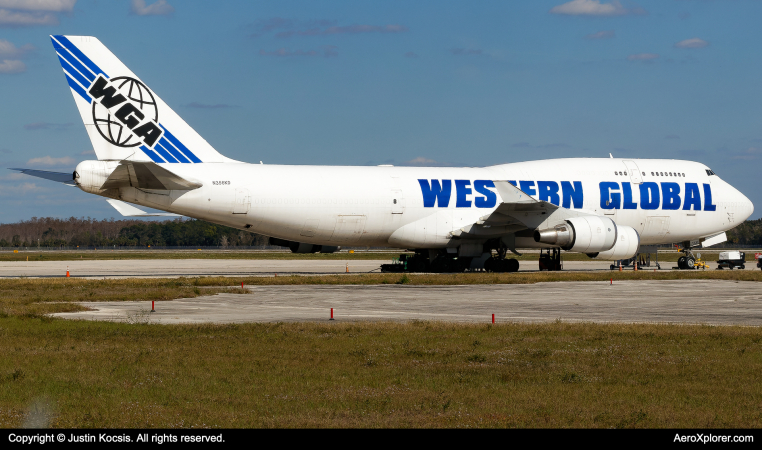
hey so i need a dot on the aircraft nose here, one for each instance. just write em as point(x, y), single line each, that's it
point(747, 207)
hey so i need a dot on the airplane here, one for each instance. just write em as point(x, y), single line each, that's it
point(453, 218)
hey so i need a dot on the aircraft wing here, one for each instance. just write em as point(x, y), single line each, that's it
point(61, 177)
point(517, 211)
point(147, 175)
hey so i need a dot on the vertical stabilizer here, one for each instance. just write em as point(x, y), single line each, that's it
point(123, 117)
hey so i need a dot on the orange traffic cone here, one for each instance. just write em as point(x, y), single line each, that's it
point(67, 271)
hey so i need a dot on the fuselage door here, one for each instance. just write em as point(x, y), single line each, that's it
point(634, 171)
point(242, 201)
point(398, 202)
point(656, 228)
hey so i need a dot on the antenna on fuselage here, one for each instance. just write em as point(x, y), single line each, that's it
point(611, 156)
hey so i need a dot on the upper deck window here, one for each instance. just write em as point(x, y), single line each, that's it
point(709, 172)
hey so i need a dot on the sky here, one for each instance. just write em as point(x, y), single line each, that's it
point(453, 83)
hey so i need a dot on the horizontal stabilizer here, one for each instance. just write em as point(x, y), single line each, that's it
point(128, 210)
point(147, 175)
point(61, 177)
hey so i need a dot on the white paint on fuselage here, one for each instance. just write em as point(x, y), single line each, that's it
point(342, 205)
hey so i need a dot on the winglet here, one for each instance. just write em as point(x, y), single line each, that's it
point(128, 210)
point(511, 194)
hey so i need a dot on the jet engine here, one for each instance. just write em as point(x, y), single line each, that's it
point(301, 247)
point(627, 243)
point(586, 234)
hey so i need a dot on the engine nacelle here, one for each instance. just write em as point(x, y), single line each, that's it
point(301, 247)
point(627, 244)
point(90, 175)
point(586, 234)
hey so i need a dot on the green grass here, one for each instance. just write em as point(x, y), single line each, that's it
point(27, 297)
point(67, 373)
point(418, 374)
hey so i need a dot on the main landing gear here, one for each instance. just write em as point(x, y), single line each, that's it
point(492, 260)
point(499, 263)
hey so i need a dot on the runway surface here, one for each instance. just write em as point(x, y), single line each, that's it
point(681, 301)
point(230, 267)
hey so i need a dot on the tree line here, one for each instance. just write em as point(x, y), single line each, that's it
point(747, 233)
point(88, 232)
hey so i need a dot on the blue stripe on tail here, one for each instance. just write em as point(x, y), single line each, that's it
point(171, 138)
point(69, 58)
point(78, 89)
point(73, 73)
point(75, 51)
point(151, 154)
point(164, 146)
point(164, 154)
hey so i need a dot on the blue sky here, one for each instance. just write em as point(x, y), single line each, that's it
point(397, 82)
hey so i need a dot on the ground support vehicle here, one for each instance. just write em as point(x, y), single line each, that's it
point(731, 259)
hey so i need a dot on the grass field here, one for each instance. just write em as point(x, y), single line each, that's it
point(61, 373)
point(78, 374)
point(71, 255)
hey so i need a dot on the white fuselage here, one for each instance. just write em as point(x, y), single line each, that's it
point(373, 206)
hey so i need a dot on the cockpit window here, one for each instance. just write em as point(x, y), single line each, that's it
point(709, 172)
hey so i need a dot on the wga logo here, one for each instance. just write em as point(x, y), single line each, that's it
point(124, 112)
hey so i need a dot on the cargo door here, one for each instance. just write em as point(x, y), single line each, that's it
point(656, 227)
point(348, 228)
point(242, 201)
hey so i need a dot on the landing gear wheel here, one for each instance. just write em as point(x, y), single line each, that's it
point(681, 262)
point(512, 265)
point(690, 263)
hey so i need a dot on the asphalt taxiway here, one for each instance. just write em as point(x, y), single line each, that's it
point(233, 267)
point(678, 301)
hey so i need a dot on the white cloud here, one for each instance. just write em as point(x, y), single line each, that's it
point(419, 161)
point(39, 5)
point(643, 57)
point(160, 8)
point(751, 153)
point(26, 19)
point(50, 161)
point(327, 51)
point(606, 34)
point(692, 43)
point(12, 66)
point(9, 50)
point(595, 8)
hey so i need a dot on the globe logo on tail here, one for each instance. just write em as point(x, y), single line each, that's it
point(116, 127)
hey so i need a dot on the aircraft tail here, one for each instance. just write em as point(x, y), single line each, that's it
point(125, 120)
